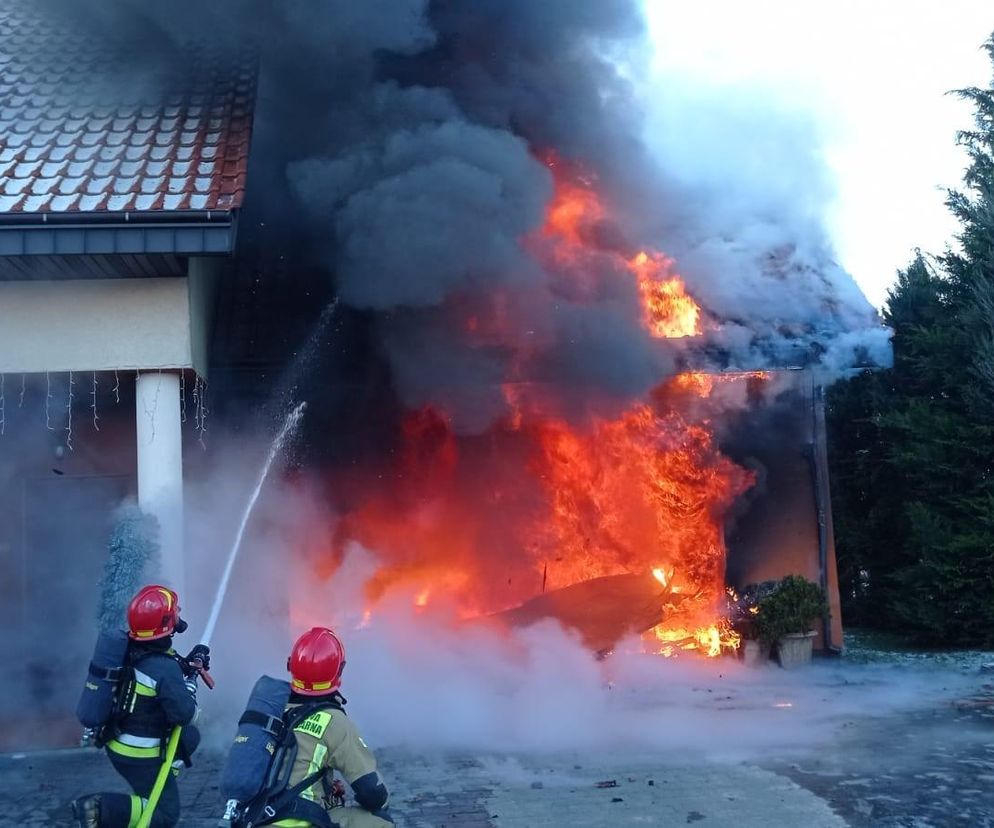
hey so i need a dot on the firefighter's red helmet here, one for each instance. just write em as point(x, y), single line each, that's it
point(153, 613)
point(316, 662)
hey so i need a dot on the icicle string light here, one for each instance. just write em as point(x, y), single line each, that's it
point(204, 412)
point(150, 412)
point(48, 401)
point(196, 402)
point(3, 406)
point(182, 396)
point(20, 402)
point(69, 412)
point(117, 387)
point(201, 411)
point(93, 393)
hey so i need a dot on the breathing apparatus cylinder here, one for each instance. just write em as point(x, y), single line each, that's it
point(96, 702)
point(260, 731)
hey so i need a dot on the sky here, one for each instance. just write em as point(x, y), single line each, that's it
point(864, 83)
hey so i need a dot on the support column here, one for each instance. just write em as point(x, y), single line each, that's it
point(160, 467)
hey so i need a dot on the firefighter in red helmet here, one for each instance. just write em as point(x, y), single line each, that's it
point(328, 740)
point(159, 692)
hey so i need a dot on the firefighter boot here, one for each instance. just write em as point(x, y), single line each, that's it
point(86, 809)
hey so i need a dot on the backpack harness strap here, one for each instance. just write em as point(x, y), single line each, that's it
point(273, 725)
point(106, 673)
point(290, 804)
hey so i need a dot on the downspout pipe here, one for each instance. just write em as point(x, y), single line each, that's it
point(817, 455)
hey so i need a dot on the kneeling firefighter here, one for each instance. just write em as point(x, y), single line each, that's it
point(292, 739)
point(142, 712)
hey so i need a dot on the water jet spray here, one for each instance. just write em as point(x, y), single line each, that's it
point(289, 427)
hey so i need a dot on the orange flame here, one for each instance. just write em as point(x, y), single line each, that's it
point(572, 221)
point(668, 312)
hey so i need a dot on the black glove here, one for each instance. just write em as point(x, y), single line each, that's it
point(201, 653)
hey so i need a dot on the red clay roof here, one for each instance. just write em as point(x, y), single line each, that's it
point(82, 129)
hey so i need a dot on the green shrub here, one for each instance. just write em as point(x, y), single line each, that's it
point(791, 608)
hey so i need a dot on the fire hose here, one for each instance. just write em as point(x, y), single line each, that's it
point(160, 780)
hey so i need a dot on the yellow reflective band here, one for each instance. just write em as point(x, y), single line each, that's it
point(317, 685)
point(169, 597)
point(133, 752)
point(315, 724)
point(143, 633)
point(136, 811)
point(316, 763)
point(142, 690)
point(293, 823)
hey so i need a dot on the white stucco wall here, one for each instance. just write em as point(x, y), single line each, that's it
point(94, 325)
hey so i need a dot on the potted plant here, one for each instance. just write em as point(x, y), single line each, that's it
point(743, 610)
point(785, 617)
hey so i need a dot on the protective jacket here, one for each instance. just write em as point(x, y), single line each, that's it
point(162, 699)
point(328, 739)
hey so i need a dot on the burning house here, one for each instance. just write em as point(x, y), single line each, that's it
point(557, 381)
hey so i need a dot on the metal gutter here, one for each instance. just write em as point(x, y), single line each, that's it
point(183, 234)
point(126, 218)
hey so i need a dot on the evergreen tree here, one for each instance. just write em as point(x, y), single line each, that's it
point(912, 446)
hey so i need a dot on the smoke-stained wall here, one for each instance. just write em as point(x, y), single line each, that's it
point(782, 526)
point(56, 512)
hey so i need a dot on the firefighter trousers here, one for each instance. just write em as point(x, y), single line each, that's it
point(123, 811)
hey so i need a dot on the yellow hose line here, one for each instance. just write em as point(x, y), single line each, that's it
point(161, 779)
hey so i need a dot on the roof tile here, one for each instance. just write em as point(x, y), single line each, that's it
point(120, 203)
point(63, 203)
point(92, 203)
point(15, 186)
point(33, 203)
point(111, 153)
point(42, 186)
point(152, 185)
point(96, 186)
point(148, 202)
point(26, 169)
point(126, 184)
point(67, 186)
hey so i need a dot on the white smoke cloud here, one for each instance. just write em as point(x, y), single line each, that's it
point(746, 218)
